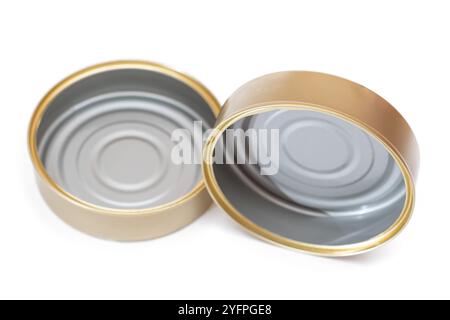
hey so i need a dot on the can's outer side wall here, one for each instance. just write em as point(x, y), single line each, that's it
point(334, 94)
point(125, 227)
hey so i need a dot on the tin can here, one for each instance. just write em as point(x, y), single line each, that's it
point(100, 142)
point(343, 179)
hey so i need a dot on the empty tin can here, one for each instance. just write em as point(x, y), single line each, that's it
point(342, 180)
point(100, 142)
point(316, 162)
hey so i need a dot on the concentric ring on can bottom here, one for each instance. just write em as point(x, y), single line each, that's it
point(329, 164)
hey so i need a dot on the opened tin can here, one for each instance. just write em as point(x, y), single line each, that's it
point(301, 159)
point(100, 142)
point(333, 176)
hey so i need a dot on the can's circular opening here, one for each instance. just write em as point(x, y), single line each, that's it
point(310, 177)
point(106, 138)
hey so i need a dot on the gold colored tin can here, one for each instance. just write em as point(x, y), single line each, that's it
point(100, 142)
point(345, 168)
point(301, 159)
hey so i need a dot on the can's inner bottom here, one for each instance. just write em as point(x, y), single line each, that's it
point(107, 138)
point(324, 182)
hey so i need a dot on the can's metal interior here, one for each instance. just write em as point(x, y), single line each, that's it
point(336, 184)
point(106, 139)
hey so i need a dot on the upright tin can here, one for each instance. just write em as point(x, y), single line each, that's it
point(100, 142)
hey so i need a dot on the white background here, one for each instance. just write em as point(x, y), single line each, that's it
point(399, 49)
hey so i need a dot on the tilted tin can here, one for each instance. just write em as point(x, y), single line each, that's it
point(346, 166)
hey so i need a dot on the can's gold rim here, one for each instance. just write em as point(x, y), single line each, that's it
point(336, 251)
point(96, 69)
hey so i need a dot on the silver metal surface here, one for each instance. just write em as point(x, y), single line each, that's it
point(336, 184)
point(107, 140)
